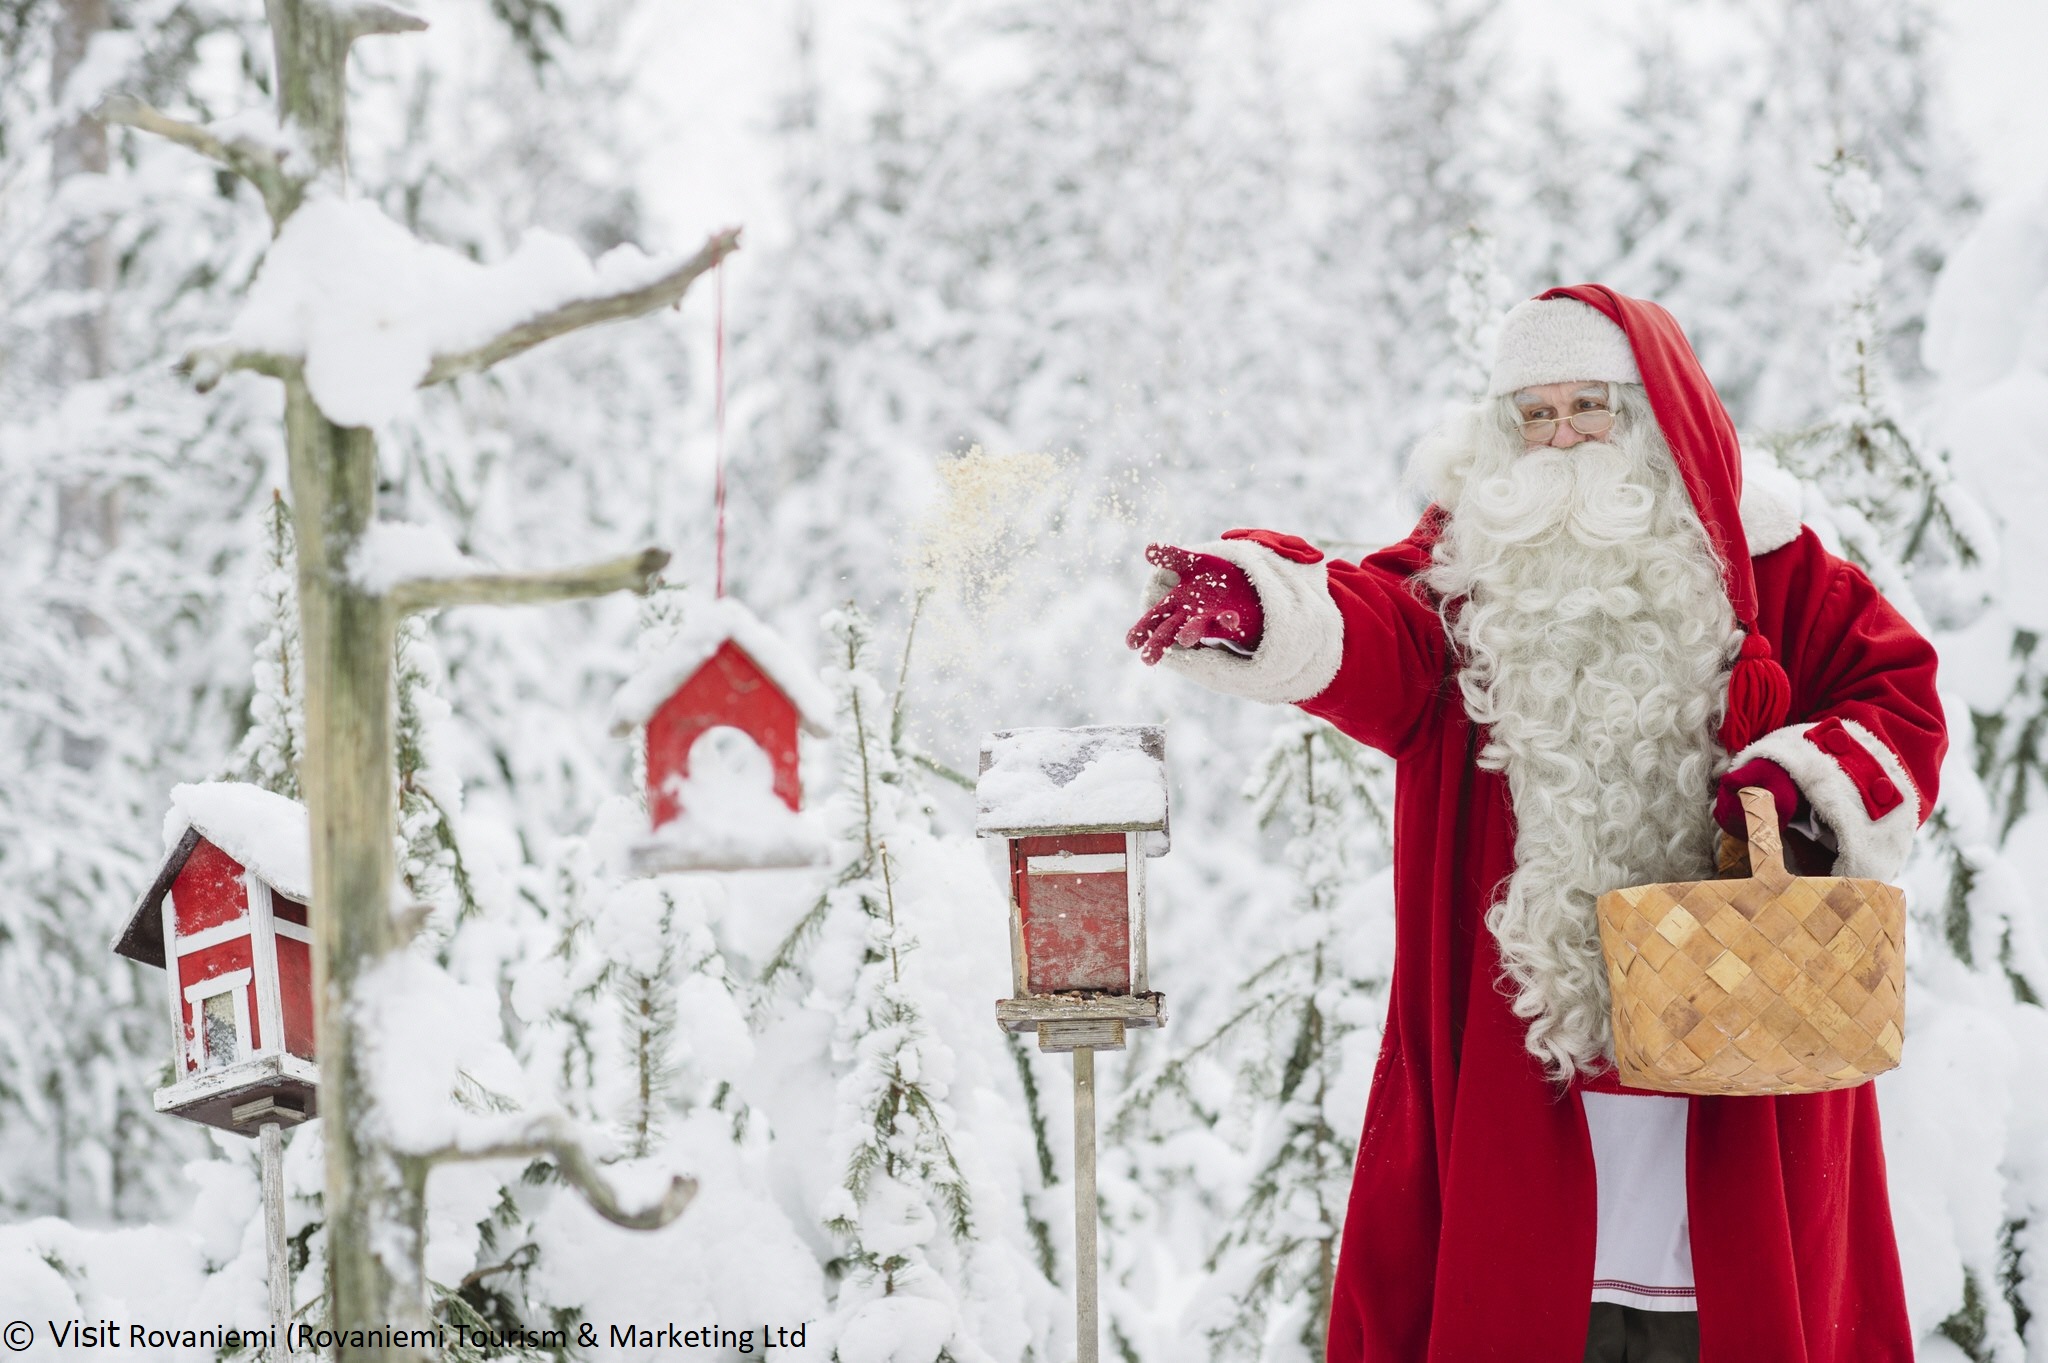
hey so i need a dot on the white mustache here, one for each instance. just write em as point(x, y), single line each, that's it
point(1592, 493)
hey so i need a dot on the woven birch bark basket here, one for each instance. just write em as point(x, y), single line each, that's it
point(1759, 983)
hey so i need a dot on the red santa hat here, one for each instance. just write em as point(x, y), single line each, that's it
point(1588, 331)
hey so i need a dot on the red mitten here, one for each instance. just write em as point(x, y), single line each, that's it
point(1213, 600)
point(1756, 772)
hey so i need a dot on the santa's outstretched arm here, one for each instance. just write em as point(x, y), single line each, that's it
point(1866, 735)
point(1349, 642)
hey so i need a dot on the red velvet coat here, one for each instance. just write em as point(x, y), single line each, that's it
point(1470, 1229)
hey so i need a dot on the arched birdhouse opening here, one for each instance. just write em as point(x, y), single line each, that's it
point(226, 920)
point(721, 706)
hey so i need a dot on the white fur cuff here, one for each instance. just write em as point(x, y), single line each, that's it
point(1874, 849)
point(1303, 640)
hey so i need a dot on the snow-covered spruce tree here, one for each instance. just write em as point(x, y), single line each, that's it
point(1300, 1069)
point(271, 751)
point(1282, 1079)
point(1475, 296)
point(1419, 177)
point(629, 1013)
point(1990, 379)
point(902, 1211)
point(429, 790)
point(1964, 1188)
point(119, 674)
point(851, 371)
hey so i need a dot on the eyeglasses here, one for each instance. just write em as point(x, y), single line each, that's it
point(1597, 421)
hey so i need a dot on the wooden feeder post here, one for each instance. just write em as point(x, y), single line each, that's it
point(270, 1142)
point(1082, 809)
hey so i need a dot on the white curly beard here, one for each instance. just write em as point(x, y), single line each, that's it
point(1594, 635)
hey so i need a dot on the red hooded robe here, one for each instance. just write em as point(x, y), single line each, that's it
point(1469, 1234)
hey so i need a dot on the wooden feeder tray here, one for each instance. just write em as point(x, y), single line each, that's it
point(242, 1097)
point(1068, 1022)
point(1760, 984)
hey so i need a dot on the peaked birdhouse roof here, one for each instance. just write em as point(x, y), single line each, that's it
point(267, 833)
point(708, 626)
point(1100, 778)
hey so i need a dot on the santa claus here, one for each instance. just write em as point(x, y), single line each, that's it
point(1592, 639)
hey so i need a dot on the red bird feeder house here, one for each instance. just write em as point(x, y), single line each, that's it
point(1082, 810)
point(226, 921)
point(722, 705)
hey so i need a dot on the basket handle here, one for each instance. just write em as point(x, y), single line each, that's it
point(1766, 848)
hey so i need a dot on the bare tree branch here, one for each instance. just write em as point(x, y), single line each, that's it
point(206, 366)
point(631, 573)
point(551, 1136)
point(252, 160)
point(586, 312)
point(366, 17)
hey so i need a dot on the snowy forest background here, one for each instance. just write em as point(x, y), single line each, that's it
point(1024, 286)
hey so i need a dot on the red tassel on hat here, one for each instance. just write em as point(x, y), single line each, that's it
point(1759, 695)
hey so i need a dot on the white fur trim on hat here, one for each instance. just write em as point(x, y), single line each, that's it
point(1875, 849)
point(1303, 640)
point(1557, 340)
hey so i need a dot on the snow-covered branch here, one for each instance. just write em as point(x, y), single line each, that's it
point(586, 312)
point(260, 163)
point(630, 573)
point(552, 1136)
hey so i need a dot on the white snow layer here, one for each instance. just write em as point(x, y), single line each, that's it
point(731, 816)
point(368, 306)
point(1091, 777)
point(391, 552)
point(1987, 339)
point(708, 625)
point(433, 1047)
point(267, 833)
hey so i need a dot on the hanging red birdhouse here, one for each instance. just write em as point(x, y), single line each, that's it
point(722, 705)
point(1082, 809)
point(227, 921)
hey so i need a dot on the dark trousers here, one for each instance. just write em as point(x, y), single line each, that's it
point(1623, 1334)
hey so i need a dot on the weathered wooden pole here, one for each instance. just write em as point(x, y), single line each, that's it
point(1086, 1328)
point(350, 793)
point(270, 1143)
point(348, 778)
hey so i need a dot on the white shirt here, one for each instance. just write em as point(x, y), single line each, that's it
point(1643, 1254)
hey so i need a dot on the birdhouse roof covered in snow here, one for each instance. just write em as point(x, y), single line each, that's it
point(1100, 778)
point(267, 833)
point(710, 625)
